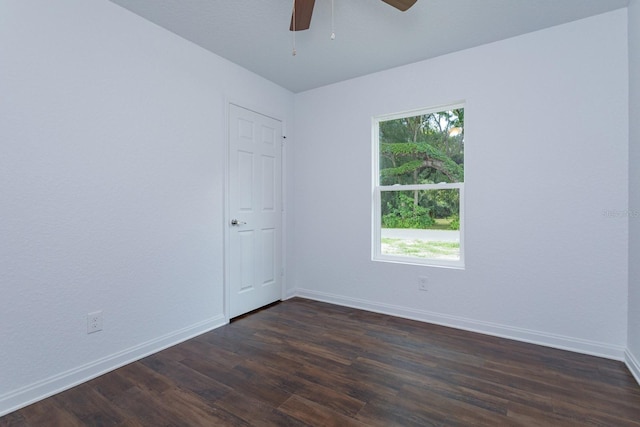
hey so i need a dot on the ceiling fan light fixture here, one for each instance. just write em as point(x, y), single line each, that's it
point(333, 27)
point(293, 32)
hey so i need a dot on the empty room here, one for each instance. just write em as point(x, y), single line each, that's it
point(329, 212)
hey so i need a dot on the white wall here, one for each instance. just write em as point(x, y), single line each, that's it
point(633, 354)
point(546, 154)
point(112, 140)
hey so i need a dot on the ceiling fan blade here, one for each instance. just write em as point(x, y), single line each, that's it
point(402, 5)
point(301, 16)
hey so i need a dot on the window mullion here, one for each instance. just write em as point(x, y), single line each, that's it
point(412, 187)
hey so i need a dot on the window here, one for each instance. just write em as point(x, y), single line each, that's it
point(418, 187)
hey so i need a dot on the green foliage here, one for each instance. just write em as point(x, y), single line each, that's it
point(402, 169)
point(442, 203)
point(416, 156)
point(455, 223)
point(403, 213)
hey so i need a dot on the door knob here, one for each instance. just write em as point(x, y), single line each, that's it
point(236, 222)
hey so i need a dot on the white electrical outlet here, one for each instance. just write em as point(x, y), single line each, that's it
point(94, 322)
point(422, 283)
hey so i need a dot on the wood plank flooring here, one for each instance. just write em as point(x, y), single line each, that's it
point(302, 362)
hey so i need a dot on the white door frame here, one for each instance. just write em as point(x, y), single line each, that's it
point(227, 206)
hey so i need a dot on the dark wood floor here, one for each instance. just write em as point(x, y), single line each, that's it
point(302, 362)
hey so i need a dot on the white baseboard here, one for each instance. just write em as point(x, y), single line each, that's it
point(289, 294)
point(525, 335)
point(32, 393)
point(633, 365)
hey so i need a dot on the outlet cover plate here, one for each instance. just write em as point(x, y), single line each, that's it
point(94, 322)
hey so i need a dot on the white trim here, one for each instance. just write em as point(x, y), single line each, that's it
point(633, 365)
point(290, 294)
point(425, 262)
point(283, 205)
point(226, 214)
point(561, 342)
point(420, 111)
point(412, 187)
point(40, 390)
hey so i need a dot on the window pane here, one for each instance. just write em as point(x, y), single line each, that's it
point(421, 224)
point(423, 149)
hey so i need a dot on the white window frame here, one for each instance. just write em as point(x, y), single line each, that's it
point(377, 190)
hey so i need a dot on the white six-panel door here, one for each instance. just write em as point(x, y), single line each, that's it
point(255, 214)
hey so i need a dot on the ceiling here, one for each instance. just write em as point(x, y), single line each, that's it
point(370, 35)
